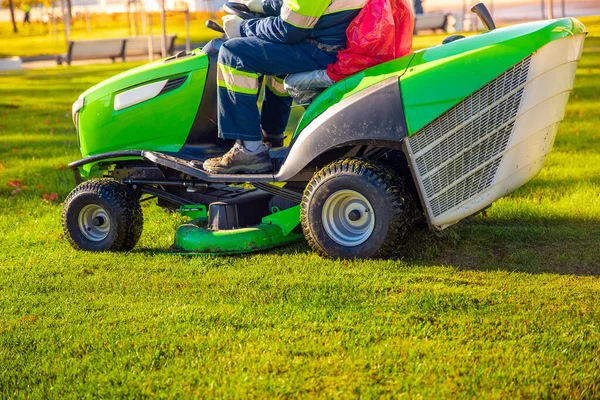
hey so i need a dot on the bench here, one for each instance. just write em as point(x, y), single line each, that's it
point(113, 48)
point(138, 46)
point(435, 21)
point(92, 49)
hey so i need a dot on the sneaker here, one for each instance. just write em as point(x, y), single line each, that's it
point(239, 160)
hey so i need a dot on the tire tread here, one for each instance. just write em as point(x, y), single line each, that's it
point(394, 189)
point(122, 200)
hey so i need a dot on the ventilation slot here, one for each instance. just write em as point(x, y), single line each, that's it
point(469, 161)
point(456, 157)
point(465, 189)
point(173, 84)
point(484, 97)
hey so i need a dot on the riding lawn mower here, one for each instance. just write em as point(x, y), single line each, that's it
point(436, 136)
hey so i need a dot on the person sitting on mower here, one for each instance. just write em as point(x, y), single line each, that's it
point(295, 36)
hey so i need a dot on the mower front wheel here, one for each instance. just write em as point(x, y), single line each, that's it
point(356, 209)
point(102, 215)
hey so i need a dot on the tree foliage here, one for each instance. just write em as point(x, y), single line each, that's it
point(18, 3)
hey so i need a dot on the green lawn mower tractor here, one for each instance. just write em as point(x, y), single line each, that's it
point(437, 135)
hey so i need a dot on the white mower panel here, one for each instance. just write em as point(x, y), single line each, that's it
point(491, 150)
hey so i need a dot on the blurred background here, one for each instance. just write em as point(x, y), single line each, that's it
point(35, 33)
point(504, 10)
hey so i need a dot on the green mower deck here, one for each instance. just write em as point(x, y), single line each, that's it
point(274, 230)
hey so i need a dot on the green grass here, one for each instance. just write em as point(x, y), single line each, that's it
point(502, 306)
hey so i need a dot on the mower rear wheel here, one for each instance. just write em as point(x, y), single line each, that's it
point(102, 215)
point(356, 209)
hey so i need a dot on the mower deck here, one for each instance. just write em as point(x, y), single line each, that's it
point(274, 230)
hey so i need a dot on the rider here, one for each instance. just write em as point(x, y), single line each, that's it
point(295, 36)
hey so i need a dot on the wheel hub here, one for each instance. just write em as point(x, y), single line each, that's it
point(348, 218)
point(94, 223)
point(98, 221)
point(354, 215)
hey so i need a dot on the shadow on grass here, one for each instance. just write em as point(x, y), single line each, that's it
point(298, 248)
point(566, 246)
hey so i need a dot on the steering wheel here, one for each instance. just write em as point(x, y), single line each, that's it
point(239, 9)
point(233, 8)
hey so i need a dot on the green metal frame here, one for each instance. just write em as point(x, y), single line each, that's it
point(195, 212)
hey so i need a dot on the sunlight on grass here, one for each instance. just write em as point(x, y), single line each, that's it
point(504, 305)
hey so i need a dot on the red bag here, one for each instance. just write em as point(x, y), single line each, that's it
point(382, 31)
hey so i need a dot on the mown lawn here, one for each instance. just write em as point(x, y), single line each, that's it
point(502, 306)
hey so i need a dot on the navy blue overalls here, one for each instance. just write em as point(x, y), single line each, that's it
point(298, 36)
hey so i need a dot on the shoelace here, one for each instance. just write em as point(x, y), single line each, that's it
point(235, 149)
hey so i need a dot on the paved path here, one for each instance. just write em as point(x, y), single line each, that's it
point(45, 62)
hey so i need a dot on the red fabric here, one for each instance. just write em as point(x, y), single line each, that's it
point(382, 31)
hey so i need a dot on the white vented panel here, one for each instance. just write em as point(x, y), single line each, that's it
point(496, 139)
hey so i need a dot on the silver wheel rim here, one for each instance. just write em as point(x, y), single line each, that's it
point(348, 218)
point(94, 223)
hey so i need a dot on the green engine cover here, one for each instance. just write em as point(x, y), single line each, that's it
point(161, 123)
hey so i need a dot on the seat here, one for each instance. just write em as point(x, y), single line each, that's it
point(304, 87)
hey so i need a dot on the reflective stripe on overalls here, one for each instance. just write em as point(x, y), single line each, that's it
point(248, 82)
point(237, 81)
point(307, 13)
point(275, 84)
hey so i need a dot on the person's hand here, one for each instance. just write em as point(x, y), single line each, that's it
point(232, 26)
point(254, 5)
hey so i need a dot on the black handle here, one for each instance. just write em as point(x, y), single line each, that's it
point(484, 15)
point(239, 9)
point(210, 24)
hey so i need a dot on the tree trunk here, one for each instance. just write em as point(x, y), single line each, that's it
point(70, 11)
point(543, 10)
point(163, 15)
point(66, 22)
point(12, 16)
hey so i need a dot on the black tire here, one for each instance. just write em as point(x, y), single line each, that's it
point(392, 207)
point(120, 222)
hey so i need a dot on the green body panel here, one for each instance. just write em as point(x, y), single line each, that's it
point(146, 73)
point(436, 79)
point(441, 77)
point(160, 124)
point(351, 85)
point(275, 230)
